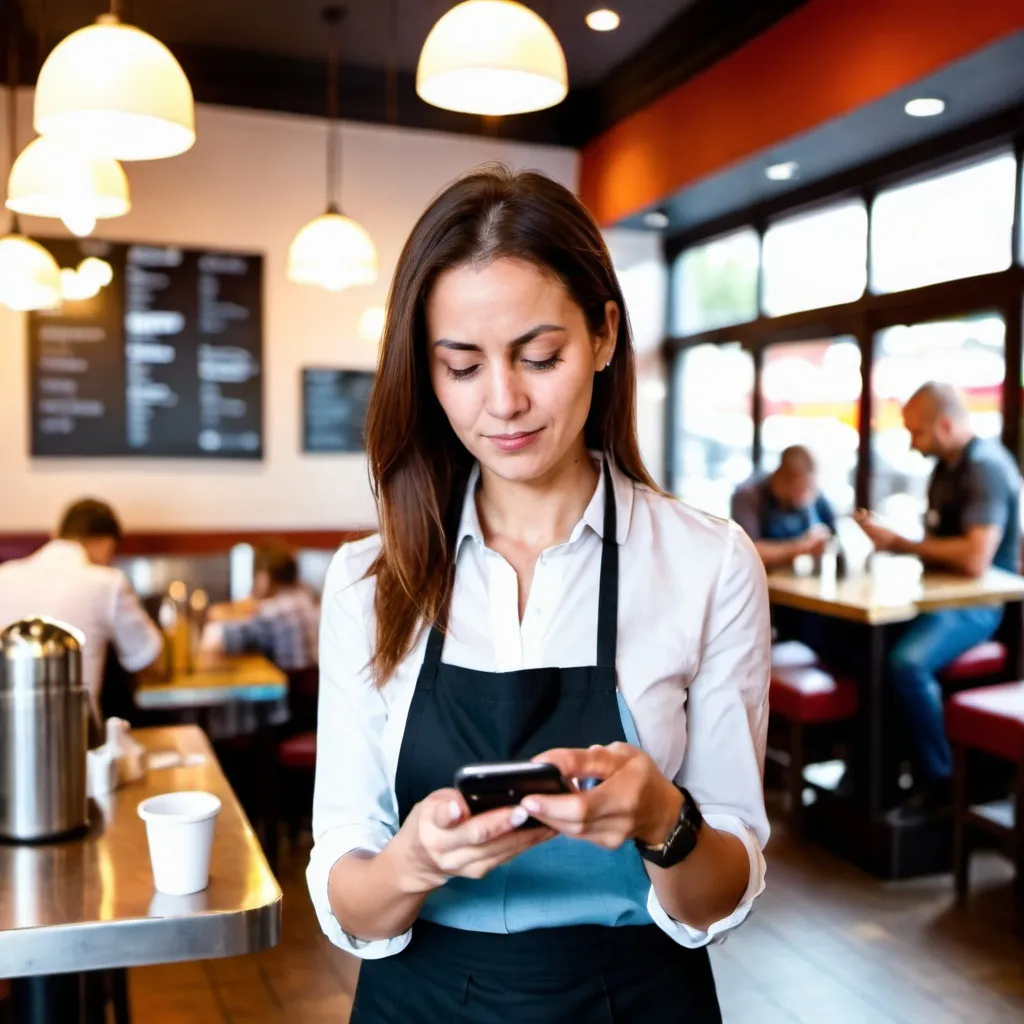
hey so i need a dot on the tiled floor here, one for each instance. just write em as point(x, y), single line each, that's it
point(826, 945)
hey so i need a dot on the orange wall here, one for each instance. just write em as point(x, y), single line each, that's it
point(821, 62)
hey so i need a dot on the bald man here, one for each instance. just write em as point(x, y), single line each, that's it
point(972, 523)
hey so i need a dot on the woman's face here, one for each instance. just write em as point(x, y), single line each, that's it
point(512, 363)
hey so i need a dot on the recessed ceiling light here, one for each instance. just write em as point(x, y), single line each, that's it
point(925, 106)
point(656, 219)
point(603, 20)
point(785, 171)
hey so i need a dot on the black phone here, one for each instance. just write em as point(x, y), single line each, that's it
point(487, 787)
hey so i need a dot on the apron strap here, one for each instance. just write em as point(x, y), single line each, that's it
point(608, 596)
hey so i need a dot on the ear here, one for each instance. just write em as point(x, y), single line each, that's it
point(604, 339)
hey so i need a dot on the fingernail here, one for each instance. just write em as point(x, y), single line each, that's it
point(517, 817)
point(531, 805)
point(454, 810)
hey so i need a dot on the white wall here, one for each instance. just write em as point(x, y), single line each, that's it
point(249, 183)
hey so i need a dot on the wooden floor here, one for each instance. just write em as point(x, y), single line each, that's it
point(825, 945)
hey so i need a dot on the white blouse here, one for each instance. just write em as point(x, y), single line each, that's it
point(694, 652)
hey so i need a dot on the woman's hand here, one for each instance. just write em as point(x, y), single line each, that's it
point(634, 800)
point(441, 840)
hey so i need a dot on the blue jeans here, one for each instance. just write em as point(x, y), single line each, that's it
point(931, 642)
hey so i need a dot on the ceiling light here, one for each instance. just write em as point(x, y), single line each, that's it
point(492, 57)
point(75, 287)
point(29, 275)
point(603, 20)
point(100, 271)
point(332, 251)
point(50, 179)
point(925, 106)
point(114, 90)
point(785, 171)
point(656, 219)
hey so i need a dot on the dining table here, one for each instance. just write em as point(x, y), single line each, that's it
point(87, 903)
point(230, 695)
point(876, 600)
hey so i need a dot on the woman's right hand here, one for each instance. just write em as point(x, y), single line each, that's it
point(441, 840)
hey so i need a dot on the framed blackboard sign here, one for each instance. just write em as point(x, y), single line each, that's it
point(164, 361)
point(334, 406)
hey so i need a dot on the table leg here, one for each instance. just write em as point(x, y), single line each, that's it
point(46, 999)
point(873, 754)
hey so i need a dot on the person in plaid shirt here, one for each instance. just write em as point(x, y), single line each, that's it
point(281, 620)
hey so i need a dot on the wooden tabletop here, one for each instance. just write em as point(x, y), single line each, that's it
point(89, 903)
point(893, 589)
point(220, 679)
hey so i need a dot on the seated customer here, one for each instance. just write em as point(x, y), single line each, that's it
point(71, 579)
point(281, 620)
point(972, 523)
point(784, 513)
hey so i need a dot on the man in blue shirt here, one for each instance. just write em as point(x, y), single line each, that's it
point(972, 523)
point(785, 516)
point(784, 513)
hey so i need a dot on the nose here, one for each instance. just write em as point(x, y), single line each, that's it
point(506, 395)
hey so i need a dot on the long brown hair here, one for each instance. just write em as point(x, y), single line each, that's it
point(418, 466)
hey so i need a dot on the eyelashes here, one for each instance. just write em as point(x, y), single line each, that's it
point(537, 365)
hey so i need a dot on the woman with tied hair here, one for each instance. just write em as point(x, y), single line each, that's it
point(532, 595)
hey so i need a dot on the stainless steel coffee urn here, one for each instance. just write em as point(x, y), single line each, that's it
point(44, 709)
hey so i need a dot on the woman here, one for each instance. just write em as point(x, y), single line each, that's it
point(520, 534)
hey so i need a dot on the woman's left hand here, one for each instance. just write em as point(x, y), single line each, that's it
point(634, 800)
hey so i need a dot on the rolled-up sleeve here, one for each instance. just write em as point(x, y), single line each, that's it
point(353, 804)
point(136, 638)
point(727, 725)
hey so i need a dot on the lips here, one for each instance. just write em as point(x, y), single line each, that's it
point(513, 442)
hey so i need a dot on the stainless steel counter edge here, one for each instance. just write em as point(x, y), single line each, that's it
point(140, 942)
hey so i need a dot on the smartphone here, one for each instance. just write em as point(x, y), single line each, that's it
point(487, 787)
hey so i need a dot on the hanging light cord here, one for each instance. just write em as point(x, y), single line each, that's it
point(391, 87)
point(12, 101)
point(333, 16)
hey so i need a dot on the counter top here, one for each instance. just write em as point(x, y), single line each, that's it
point(89, 903)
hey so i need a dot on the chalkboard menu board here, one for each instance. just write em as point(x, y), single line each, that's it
point(334, 409)
point(165, 361)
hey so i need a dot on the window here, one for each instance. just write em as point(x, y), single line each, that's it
point(816, 259)
point(714, 424)
point(810, 395)
point(968, 353)
point(715, 284)
point(945, 227)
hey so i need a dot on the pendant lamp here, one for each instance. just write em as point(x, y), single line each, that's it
point(332, 251)
point(492, 57)
point(29, 275)
point(115, 91)
point(51, 179)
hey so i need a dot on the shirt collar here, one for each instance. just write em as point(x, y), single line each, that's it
point(593, 515)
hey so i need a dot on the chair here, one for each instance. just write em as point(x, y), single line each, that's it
point(988, 719)
point(802, 693)
point(296, 753)
point(984, 662)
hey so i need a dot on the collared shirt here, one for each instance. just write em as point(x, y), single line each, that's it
point(693, 664)
point(284, 627)
point(760, 513)
point(60, 582)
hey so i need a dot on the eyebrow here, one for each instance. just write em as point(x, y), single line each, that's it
point(523, 339)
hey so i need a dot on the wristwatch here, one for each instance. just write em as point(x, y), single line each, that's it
point(681, 840)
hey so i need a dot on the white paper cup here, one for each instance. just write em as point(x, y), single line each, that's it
point(179, 827)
